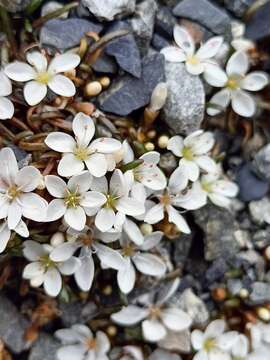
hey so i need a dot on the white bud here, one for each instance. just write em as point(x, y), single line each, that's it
point(158, 98)
point(163, 141)
point(57, 239)
point(41, 184)
point(146, 229)
point(263, 313)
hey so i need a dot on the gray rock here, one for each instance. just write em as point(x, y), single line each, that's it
point(234, 286)
point(15, 5)
point(76, 312)
point(66, 33)
point(257, 28)
point(194, 306)
point(106, 10)
point(181, 249)
point(176, 341)
point(22, 156)
point(216, 271)
point(165, 22)
point(53, 6)
point(260, 293)
point(125, 51)
point(160, 354)
point(142, 24)
point(260, 210)
point(105, 64)
point(159, 42)
point(238, 7)
point(219, 228)
point(205, 13)
point(261, 162)
point(128, 93)
point(44, 348)
point(184, 108)
point(12, 326)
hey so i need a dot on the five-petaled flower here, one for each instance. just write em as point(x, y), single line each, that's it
point(39, 75)
point(6, 106)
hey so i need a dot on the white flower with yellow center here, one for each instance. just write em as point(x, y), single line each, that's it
point(235, 83)
point(78, 343)
point(6, 106)
point(39, 76)
point(185, 51)
point(81, 152)
point(5, 233)
point(193, 151)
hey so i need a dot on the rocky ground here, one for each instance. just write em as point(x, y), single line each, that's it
point(224, 264)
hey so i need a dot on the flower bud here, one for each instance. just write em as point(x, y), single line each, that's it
point(41, 184)
point(57, 239)
point(93, 88)
point(263, 313)
point(158, 97)
point(149, 146)
point(163, 141)
point(146, 229)
point(105, 82)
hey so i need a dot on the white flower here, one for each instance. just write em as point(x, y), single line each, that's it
point(16, 196)
point(72, 199)
point(118, 202)
point(240, 348)
point(131, 352)
point(260, 337)
point(39, 76)
point(235, 81)
point(219, 190)
point(5, 233)
point(214, 343)
point(173, 197)
point(185, 51)
point(139, 257)
point(147, 173)
point(80, 344)
point(87, 242)
point(43, 270)
point(6, 106)
point(81, 151)
point(157, 319)
point(193, 152)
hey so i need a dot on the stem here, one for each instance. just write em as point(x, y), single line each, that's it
point(7, 28)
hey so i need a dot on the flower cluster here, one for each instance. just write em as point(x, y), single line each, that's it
point(235, 82)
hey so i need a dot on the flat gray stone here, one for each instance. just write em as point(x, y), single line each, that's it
point(12, 326)
point(238, 7)
point(184, 108)
point(44, 348)
point(15, 5)
point(105, 64)
point(77, 313)
point(105, 10)
point(194, 306)
point(260, 293)
point(66, 33)
point(205, 13)
point(128, 93)
point(257, 28)
point(261, 162)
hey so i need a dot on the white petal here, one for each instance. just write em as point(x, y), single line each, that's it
point(8, 166)
point(203, 143)
point(69, 165)
point(33, 269)
point(66, 336)
point(34, 207)
point(243, 104)
point(210, 48)
point(106, 145)
point(190, 169)
point(85, 274)
point(237, 64)
point(215, 76)
point(75, 218)
point(195, 69)
point(28, 178)
point(4, 236)
point(52, 282)
point(138, 192)
point(102, 344)
point(61, 142)
point(227, 340)
point(126, 277)
point(6, 87)
point(197, 339)
point(183, 39)
point(130, 315)
point(20, 71)
point(56, 186)
point(63, 251)
point(133, 232)
point(175, 145)
point(130, 206)
point(70, 352)
point(178, 180)
point(173, 54)
point(175, 217)
point(84, 129)
point(62, 85)
point(151, 157)
point(155, 214)
point(149, 264)
point(154, 179)
point(93, 199)
point(201, 355)
point(117, 183)
point(151, 240)
point(175, 319)
point(6, 109)
point(14, 214)
point(64, 62)
point(215, 328)
point(100, 184)
point(206, 163)
point(220, 102)
point(240, 347)
point(111, 258)
point(34, 92)
point(97, 165)
point(105, 219)
point(22, 229)
point(55, 210)
point(37, 60)
point(80, 183)
point(255, 81)
point(32, 250)
point(217, 354)
point(226, 188)
point(219, 200)
point(153, 330)
point(69, 266)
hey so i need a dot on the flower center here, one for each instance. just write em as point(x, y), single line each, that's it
point(72, 199)
point(46, 261)
point(13, 192)
point(81, 153)
point(43, 77)
point(233, 83)
point(187, 153)
point(165, 199)
point(91, 343)
point(209, 344)
point(155, 312)
point(110, 203)
point(206, 186)
point(128, 250)
point(238, 358)
point(193, 60)
point(87, 240)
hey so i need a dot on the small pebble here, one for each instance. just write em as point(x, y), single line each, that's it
point(111, 330)
point(105, 82)
point(243, 293)
point(93, 88)
point(107, 290)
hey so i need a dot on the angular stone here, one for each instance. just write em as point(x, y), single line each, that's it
point(44, 348)
point(142, 24)
point(77, 313)
point(15, 5)
point(106, 10)
point(261, 162)
point(128, 93)
point(66, 33)
point(238, 7)
point(105, 64)
point(260, 210)
point(260, 293)
point(176, 341)
point(22, 156)
point(125, 50)
point(184, 108)
point(219, 228)
point(257, 28)
point(216, 271)
point(159, 42)
point(160, 354)
point(205, 13)
point(165, 22)
point(12, 326)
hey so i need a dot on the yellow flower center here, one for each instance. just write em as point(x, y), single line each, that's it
point(233, 82)
point(46, 261)
point(81, 153)
point(165, 199)
point(43, 77)
point(187, 153)
point(72, 199)
point(110, 203)
point(155, 312)
point(209, 344)
point(13, 192)
point(128, 250)
point(206, 186)
point(193, 60)
point(91, 343)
